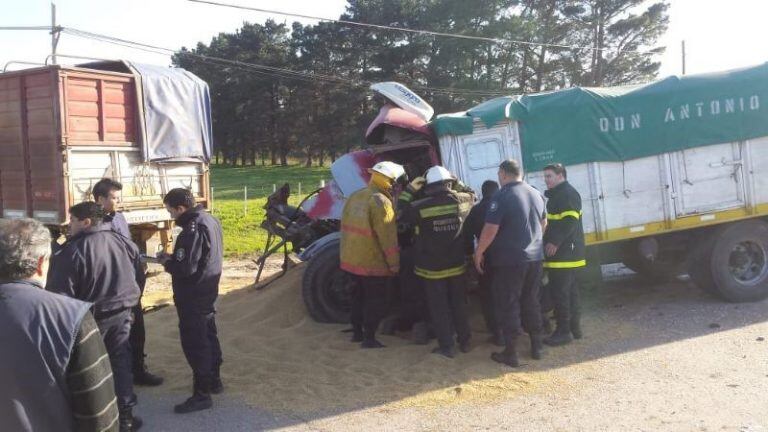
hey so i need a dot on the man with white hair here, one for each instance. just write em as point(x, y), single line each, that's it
point(54, 370)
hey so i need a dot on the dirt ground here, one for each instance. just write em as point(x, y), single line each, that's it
point(655, 357)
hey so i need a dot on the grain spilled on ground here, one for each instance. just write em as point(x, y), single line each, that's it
point(277, 358)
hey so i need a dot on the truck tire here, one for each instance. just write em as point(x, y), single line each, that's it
point(326, 289)
point(738, 261)
point(699, 258)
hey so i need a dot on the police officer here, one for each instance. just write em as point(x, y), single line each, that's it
point(564, 249)
point(473, 226)
point(195, 268)
point(102, 267)
point(369, 250)
point(439, 258)
point(106, 192)
point(511, 244)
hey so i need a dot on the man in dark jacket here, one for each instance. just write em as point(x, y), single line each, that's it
point(473, 226)
point(102, 267)
point(511, 244)
point(107, 193)
point(54, 371)
point(195, 268)
point(564, 250)
point(440, 257)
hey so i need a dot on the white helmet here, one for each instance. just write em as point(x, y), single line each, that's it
point(389, 169)
point(438, 174)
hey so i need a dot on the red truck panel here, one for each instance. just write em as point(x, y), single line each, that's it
point(62, 129)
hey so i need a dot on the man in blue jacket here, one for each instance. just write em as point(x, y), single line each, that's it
point(102, 267)
point(195, 267)
point(107, 193)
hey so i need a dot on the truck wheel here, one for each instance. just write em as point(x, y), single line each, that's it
point(326, 288)
point(739, 261)
point(699, 258)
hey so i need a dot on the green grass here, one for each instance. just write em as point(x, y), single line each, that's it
point(242, 232)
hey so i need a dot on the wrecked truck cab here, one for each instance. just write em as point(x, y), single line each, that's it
point(401, 134)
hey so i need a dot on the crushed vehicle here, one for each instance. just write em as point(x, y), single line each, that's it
point(673, 175)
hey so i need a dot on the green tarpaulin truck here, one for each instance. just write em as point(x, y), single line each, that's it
point(673, 176)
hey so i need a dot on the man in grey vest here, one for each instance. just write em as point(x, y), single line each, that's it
point(54, 372)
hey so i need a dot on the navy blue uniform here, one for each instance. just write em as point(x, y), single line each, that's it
point(195, 269)
point(138, 335)
point(119, 224)
point(516, 256)
point(102, 267)
point(473, 226)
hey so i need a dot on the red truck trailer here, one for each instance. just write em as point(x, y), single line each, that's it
point(64, 128)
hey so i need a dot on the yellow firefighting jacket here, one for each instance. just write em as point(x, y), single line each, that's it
point(369, 234)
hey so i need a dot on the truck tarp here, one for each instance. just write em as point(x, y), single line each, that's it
point(177, 114)
point(580, 125)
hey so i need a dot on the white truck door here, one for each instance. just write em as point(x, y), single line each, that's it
point(475, 158)
point(708, 179)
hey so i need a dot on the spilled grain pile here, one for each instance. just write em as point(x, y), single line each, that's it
point(277, 358)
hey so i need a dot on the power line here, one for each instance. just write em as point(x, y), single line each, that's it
point(416, 31)
point(264, 69)
point(48, 28)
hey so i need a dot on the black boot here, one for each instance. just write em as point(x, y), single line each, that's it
point(142, 376)
point(576, 327)
point(371, 343)
point(497, 339)
point(536, 347)
point(465, 346)
point(561, 336)
point(129, 422)
point(448, 352)
point(507, 357)
point(217, 387)
point(357, 334)
point(200, 399)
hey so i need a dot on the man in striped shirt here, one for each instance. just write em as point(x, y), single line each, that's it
point(57, 376)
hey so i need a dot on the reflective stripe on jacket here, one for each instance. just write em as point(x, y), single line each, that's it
point(564, 227)
point(369, 234)
point(440, 248)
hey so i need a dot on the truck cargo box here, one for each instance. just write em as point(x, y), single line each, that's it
point(64, 128)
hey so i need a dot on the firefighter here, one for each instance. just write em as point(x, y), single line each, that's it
point(564, 250)
point(195, 267)
point(369, 250)
point(511, 244)
point(100, 266)
point(106, 192)
point(413, 312)
point(440, 257)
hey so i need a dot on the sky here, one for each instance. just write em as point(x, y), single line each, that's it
point(719, 34)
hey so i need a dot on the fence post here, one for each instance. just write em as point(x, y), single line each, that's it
point(322, 183)
point(299, 188)
point(245, 200)
point(274, 188)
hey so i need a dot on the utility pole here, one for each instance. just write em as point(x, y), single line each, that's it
point(683, 44)
point(55, 33)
